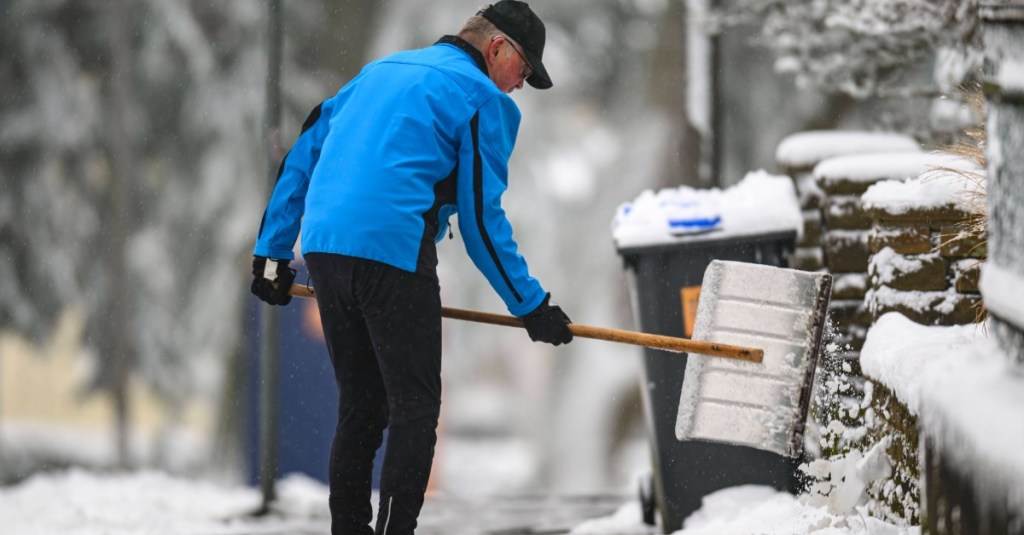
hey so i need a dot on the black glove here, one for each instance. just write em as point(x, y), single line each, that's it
point(272, 290)
point(547, 323)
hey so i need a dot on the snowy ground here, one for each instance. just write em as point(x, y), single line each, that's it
point(81, 503)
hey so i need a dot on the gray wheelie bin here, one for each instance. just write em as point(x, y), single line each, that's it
point(665, 282)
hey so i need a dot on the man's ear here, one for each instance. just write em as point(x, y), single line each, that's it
point(493, 46)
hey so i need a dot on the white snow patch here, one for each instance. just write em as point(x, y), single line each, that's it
point(808, 148)
point(844, 480)
point(897, 351)
point(965, 393)
point(944, 301)
point(856, 282)
point(760, 203)
point(949, 186)
point(757, 509)
point(1011, 76)
point(139, 502)
point(886, 265)
point(1003, 292)
point(880, 166)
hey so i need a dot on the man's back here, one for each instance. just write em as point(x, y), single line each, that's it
point(394, 133)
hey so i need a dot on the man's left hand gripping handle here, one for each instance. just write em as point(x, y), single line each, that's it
point(271, 280)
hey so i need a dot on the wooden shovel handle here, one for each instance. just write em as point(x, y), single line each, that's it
point(655, 341)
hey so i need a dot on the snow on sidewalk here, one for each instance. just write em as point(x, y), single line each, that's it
point(749, 510)
point(85, 503)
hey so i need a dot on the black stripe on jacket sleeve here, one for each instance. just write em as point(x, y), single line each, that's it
point(478, 203)
point(311, 119)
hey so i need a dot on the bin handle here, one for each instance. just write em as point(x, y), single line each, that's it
point(654, 341)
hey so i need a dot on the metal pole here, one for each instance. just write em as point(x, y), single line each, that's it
point(269, 315)
point(703, 106)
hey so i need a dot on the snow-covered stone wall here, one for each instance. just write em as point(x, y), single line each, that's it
point(961, 384)
point(797, 156)
point(924, 262)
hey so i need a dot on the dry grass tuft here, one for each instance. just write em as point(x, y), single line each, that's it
point(971, 147)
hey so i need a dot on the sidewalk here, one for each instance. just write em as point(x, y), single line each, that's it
point(513, 515)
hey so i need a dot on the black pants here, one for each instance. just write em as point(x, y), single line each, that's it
point(383, 332)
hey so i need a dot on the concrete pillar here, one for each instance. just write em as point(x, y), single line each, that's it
point(1002, 282)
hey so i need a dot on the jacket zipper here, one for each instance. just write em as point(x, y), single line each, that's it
point(391, 501)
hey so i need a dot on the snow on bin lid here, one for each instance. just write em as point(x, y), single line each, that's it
point(804, 149)
point(949, 183)
point(760, 203)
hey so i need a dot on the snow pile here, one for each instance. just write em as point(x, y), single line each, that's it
point(870, 167)
point(963, 390)
point(897, 351)
point(808, 148)
point(756, 509)
point(150, 503)
point(842, 482)
point(142, 502)
point(153, 503)
point(760, 203)
point(751, 509)
point(948, 185)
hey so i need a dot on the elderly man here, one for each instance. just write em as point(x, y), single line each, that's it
point(372, 179)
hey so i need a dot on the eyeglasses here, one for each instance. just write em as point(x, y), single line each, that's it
point(526, 71)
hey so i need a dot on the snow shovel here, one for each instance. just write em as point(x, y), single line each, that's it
point(764, 405)
point(667, 343)
point(752, 397)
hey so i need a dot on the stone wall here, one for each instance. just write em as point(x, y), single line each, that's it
point(922, 265)
point(797, 156)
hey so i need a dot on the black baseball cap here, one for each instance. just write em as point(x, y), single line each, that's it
point(516, 20)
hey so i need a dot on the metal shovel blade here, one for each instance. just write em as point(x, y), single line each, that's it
point(764, 405)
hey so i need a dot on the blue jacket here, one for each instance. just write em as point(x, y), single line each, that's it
point(380, 167)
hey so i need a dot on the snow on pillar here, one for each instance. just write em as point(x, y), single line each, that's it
point(1002, 281)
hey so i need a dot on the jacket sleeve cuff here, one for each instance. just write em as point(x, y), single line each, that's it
point(278, 254)
point(528, 305)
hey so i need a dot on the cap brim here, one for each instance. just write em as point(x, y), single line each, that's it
point(539, 79)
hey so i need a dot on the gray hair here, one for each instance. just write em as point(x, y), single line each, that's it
point(481, 28)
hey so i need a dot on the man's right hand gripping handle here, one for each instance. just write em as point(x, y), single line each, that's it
point(547, 323)
point(271, 280)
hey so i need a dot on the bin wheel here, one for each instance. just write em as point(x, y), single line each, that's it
point(646, 488)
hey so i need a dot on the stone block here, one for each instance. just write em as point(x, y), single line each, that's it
point(965, 275)
point(845, 212)
point(811, 236)
point(903, 240)
point(846, 251)
point(927, 308)
point(847, 312)
point(808, 192)
point(807, 259)
point(925, 272)
point(942, 215)
point(956, 244)
point(850, 286)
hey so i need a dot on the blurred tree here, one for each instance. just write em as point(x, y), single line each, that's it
point(129, 136)
point(132, 178)
point(862, 47)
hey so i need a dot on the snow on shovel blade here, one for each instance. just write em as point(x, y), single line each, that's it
point(764, 405)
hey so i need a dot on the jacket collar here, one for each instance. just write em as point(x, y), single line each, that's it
point(466, 47)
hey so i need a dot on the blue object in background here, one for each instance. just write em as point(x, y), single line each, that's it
point(308, 397)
